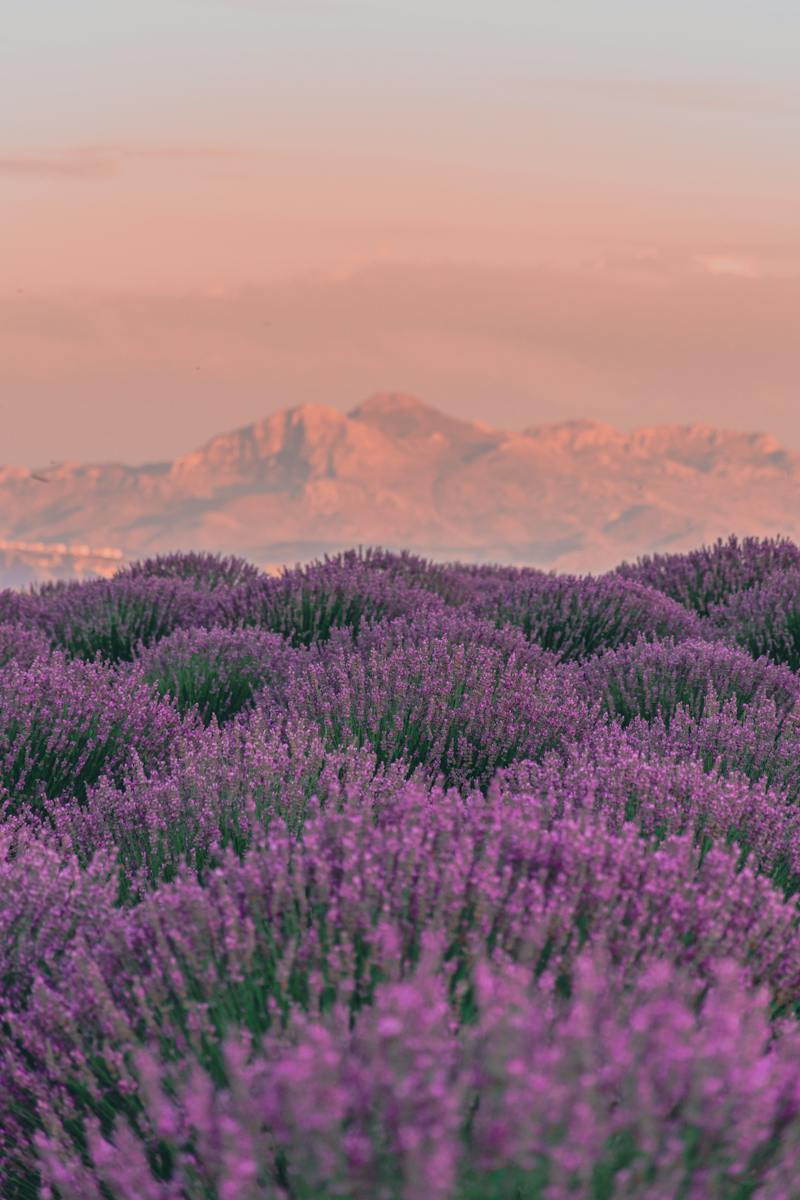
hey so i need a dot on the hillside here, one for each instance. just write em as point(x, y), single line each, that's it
point(576, 496)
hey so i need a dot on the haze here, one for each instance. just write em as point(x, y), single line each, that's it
point(522, 212)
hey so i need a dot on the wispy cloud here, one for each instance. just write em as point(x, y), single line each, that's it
point(598, 309)
point(748, 266)
point(694, 95)
point(170, 151)
point(101, 161)
point(73, 164)
point(729, 264)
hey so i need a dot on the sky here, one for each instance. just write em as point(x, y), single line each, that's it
point(521, 212)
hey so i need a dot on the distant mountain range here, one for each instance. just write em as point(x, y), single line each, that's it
point(574, 496)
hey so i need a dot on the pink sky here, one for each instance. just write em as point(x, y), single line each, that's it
point(539, 217)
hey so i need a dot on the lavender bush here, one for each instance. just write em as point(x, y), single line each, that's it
point(612, 1093)
point(453, 627)
point(111, 617)
point(577, 617)
point(651, 679)
point(447, 580)
point(200, 569)
point(458, 711)
point(306, 927)
point(19, 607)
point(64, 724)
point(757, 740)
point(306, 604)
point(666, 789)
point(215, 671)
point(765, 620)
point(21, 644)
point(222, 789)
point(708, 576)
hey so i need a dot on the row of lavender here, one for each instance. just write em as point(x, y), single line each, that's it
point(387, 880)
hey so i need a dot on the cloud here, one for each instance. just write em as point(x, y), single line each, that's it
point(171, 152)
point(605, 312)
point(748, 266)
point(100, 161)
point(74, 164)
point(719, 264)
point(693, 95)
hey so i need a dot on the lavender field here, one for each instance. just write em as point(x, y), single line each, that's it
point(392, 880)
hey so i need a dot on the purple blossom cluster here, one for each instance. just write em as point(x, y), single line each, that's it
point(619, 1091)
point(457, 710)
point(386, 879)
point(451, 582)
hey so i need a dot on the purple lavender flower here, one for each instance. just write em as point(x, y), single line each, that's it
point(758, 740)
point(459, 882)
point(222, 788)
point(428, 882)
point(655, 1090)
point(19, 607)
point(447, 580)
point(668, 788)
point(454, 626)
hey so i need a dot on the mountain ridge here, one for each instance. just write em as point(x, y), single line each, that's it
point(575, 495)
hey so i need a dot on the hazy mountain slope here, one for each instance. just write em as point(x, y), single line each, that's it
point(575, 496)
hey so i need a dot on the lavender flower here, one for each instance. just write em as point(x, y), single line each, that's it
point(447, 580)
point(427, 882)
point(387, 878)
point(18, 607)
point(221, 789)
point(666, 789)
point(638, 1092)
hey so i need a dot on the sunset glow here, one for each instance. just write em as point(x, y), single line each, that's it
point(523, 211)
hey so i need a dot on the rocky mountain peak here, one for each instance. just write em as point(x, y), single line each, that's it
point(303, 481)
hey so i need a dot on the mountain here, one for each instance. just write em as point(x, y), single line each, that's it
point(575, 496)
